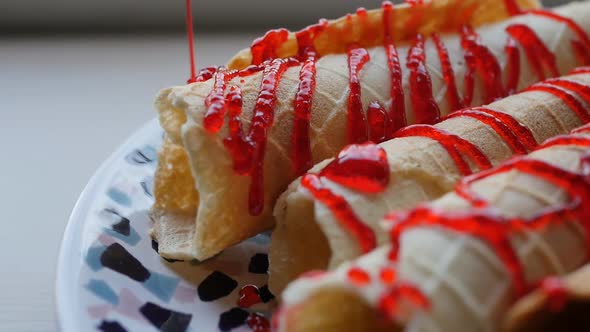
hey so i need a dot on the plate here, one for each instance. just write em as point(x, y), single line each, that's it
point(111, 278)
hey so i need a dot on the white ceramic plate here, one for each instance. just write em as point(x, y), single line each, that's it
point(110, 277)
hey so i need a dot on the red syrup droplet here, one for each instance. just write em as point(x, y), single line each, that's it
point(343, 212)
point(389, 303)
point(423, 103)
point(480, 59)
point(191, 38)
point(356, 122)
point(455, 146)
point(361, 167)
point(448, 74)
point(508, 131)
point(249, 296)
point(540, 57)
point(397, 111)
point(556, 293)
point(379, 123)
point(387, 275)
point(512, 7)
point(258, 323)
point(513, 55)
point(358, 276)
point(265, 48)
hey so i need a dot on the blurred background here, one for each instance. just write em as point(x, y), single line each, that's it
point(77, 78)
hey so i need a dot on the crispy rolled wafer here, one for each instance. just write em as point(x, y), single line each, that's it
point(309, 235)
point(236, 190)
point(457, 263)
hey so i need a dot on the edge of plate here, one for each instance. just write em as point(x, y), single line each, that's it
point(68, 252)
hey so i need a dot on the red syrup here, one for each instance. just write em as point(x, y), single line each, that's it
point(423, 103)
point(358, 276)
point(301, 152)
point(485, 224)
point(556, 293)
point(265, 48)
point(517, 137)
point(448, 74)
point(585, 129)
point(379, 123)
point(359, 167)
point(512, 7)
point(262, 120)
point(258, 323)
point(583, 38)
point(343, 212)
point(513, 55)
point(580, 70)
point(480, 59)
point(249, 296)
point(191, 40)
point(363, 168)
point(580, 89)
point(582, 53)
point(397, 111)
point(356, 122)
point(540, 57)
point(215, 101)
point(389, 302)
point(455, 146)
point(568, 98)
point(205, 74)
point(387, 275)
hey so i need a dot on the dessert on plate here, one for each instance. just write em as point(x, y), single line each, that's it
point(332, 213)
point(460, 262)
point(239, 135)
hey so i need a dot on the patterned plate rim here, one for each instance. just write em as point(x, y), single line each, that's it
point(69, 252)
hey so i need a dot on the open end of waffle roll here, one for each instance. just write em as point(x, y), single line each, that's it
point(466, 257)
point(190, 227)
point(310, 236)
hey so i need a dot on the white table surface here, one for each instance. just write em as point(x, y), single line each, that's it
point(65, 105)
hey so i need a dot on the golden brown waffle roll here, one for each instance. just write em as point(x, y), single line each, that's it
point(224, 214)
point(461, 260)
point(310, 236)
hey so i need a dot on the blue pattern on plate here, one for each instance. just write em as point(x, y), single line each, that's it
point(103, 290)
point(138, 290)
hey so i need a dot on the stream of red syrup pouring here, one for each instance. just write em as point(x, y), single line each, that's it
point(376, 124)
